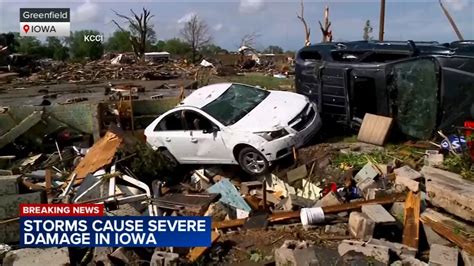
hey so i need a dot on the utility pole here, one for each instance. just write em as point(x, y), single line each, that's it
point(382, 20)
point(451, 21)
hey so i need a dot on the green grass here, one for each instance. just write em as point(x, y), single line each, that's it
point(358, 161)
point(267, 82)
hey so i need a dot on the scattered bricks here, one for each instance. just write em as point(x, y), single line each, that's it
point(432, 237)
point(379, 253)
point(295, 253)
point(377, 213)
point(467, 258)
point(331, 199)
point(361, 226)
point(10, 231)
point(161, 258)
point(412, 261)
point(408, 183)
point(9, 184)
point(37, 256)
point(289, 203)
point(10, 204)
point(369, 171)
point(296, 174)
point(443, 256)
point(434, 159)
point(245, 187)
point(399, 249)
point(337, 229)
point(450, 191)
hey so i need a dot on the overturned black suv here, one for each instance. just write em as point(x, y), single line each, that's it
point(424, 86)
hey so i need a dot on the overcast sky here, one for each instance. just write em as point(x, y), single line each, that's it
point(276, 21)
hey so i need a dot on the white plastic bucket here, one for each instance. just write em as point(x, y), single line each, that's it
point(310, 216)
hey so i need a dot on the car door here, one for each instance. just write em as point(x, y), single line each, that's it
point(171, 133)
point(207, 140)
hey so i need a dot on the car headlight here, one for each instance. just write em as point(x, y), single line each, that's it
point(271, 135)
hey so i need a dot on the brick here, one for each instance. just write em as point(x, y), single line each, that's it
point(361, 226)
point(296, 253)
point(365, 185)
point(37, 256)
point(443, 256)
point(400, 249)
point(377, 213)
point(434, 160)
point(367, 172)
point(379, 253)
point(9, 184)
point(10, 231)
point(10, 204)
point(373, 193)
point(407, 172)
point(408, 183)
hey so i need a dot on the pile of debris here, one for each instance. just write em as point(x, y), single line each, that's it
point(397, 208)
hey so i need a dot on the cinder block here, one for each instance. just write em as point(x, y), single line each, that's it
point(377, 213)
point(443, 256)
point(10, 231)
point(296, 253)
point(37, 256)
point(10, 204)
point(408, 183)
point(379, 253)
point(408, 172)
point(9, 184)
point(361, 226)
point(331, 199)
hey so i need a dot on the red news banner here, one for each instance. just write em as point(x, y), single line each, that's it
point(35, 210)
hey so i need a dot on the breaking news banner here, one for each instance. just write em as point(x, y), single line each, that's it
point(84, 225)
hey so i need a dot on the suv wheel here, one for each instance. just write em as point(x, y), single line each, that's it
point(252, 161)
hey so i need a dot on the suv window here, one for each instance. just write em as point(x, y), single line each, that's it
point(171, 122)
point(195, 121)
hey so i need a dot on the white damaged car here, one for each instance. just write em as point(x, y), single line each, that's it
point(231, 123)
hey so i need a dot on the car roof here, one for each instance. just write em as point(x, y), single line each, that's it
point(205, 95)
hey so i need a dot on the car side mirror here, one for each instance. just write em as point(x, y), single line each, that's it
point(210, 130)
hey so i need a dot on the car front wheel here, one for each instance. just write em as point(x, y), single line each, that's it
point(252, 161)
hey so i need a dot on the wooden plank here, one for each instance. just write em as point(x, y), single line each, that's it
point(195, 253)
point(455, 231)
point(411, 224)
point(20, 129)
point(374, 129)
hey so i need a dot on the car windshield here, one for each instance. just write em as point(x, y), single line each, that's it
point(237, 101)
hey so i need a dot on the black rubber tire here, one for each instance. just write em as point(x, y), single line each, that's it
point(173, 163)
point(242, 157)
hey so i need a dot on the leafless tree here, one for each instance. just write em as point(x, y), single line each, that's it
point(141, 30)
point(196, 33)
point(249, 40)
point(327, 33)
point(307, 30)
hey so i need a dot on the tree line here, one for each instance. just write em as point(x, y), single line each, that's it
point(135, 33)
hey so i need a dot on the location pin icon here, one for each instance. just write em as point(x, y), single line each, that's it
point(26, 28)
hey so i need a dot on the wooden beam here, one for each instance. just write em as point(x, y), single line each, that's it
point(455, 231)
point(285, 216)
point(411, 224)
point(195, 253)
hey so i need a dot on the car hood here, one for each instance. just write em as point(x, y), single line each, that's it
point(278, 108)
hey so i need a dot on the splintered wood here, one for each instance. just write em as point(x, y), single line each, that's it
point(455, 231)
point(374, 129)
point(195, 253)
point(100, 154)
point(411, 224)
